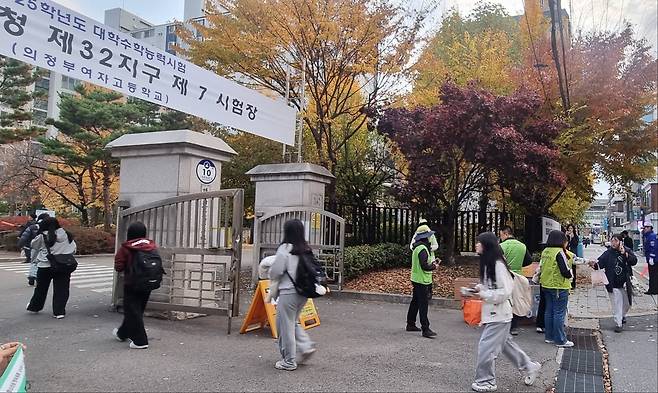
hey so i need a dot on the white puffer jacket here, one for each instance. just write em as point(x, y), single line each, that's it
point(497, 297)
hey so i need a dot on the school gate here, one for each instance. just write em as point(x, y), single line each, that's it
point(199, 237)
point(325, 233)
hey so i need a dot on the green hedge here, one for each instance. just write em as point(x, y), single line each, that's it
point(365, 258)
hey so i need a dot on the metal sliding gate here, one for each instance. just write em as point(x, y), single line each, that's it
point(325, 233)
point(199, 237)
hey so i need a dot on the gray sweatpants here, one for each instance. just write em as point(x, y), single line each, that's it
point(620, 306)
point(494, 340)
point(293, 339)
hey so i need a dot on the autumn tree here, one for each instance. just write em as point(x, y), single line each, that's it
point(354, 54)
point(482, 47)
point(16, 79)
point(453, 148)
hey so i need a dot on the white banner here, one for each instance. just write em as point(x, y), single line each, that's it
point(547, 225)
point(45, 34)
point(14, 379)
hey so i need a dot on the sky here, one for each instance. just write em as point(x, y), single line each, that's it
point(586, 15)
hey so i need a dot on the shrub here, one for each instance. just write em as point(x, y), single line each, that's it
point(92, 240)
point(10, 240)
point(362, 259)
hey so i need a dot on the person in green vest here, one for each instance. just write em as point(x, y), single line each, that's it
point(423, 263)
point(555, 279)
point(517, 256)
point(423, 226)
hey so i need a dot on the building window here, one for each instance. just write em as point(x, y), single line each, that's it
point(137, 34)
point(69, 83)
point(39, 117)
point(171, 29)
point(148, 33)
point(42, 84)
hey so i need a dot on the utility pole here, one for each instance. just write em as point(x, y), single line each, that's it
point(553, 5)
point(302, 110)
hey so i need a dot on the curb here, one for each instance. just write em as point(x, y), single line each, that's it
point(393, 298)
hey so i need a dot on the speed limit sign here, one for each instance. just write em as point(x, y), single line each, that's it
point(206, 171)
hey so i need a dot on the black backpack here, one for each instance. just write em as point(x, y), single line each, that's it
point(309, 273)
point(145, 271)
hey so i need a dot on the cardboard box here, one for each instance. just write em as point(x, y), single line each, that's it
point(464, 282)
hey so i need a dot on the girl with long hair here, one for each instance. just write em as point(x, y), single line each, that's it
point(54, 239)
point(294, 343)
point(555, 279)
point(495, 291)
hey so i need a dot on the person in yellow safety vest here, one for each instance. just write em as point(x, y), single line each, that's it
point(423, 227)
point(423, 263)
point(517, 257)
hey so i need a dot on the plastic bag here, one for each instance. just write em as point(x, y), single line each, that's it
point(472, 311)
point(599, 277)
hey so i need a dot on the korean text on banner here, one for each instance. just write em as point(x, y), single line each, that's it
point(45, 34)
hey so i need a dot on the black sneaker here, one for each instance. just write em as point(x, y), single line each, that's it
point(413, 328)
point(623, 321)
point(514, 332)
point(428, 333)
point(30, 281)
point(618, 329)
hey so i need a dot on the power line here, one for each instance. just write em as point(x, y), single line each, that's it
point(534, 53)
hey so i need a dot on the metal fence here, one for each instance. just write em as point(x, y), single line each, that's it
point(199, 237)
point(371, 224)
point(325, 233)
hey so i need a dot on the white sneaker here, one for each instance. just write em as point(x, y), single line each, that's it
point(549, 341)
point(484, 387)
point(134, 346)
point(533, 372)
point(540, 330)
point(115, 334)
point(567, 344)
point(283, 365)
point(59, 316)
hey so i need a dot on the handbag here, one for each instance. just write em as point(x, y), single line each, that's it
point(599, 277)
point(61, 262)
point(472, 311)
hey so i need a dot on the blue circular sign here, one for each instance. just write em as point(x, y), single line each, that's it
point(206, 171)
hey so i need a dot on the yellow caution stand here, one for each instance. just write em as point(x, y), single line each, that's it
point(262, 314)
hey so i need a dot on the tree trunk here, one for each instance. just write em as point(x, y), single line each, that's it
point(483, 204)
point(84, 217)
point(532, 233)
point(107, 209)
point(94, 196)
point(447, 230)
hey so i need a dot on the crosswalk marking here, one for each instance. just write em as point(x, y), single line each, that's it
point(97, 278)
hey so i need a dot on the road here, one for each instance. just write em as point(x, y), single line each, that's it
point(362, 347)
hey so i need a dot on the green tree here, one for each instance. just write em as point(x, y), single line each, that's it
point(78, 167)
point(16, 78)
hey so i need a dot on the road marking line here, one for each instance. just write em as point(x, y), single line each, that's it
point(92, 285)
point(102, 290)
point(87, 280)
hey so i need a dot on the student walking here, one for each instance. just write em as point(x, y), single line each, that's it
point(28, 234)
point(650, 249)
point(555, 278)
point(138, 258)
point(295, 345)
point(495, 291)
point(52, 239)
point(423, 263)
point(517, 256)
point(617, 262)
